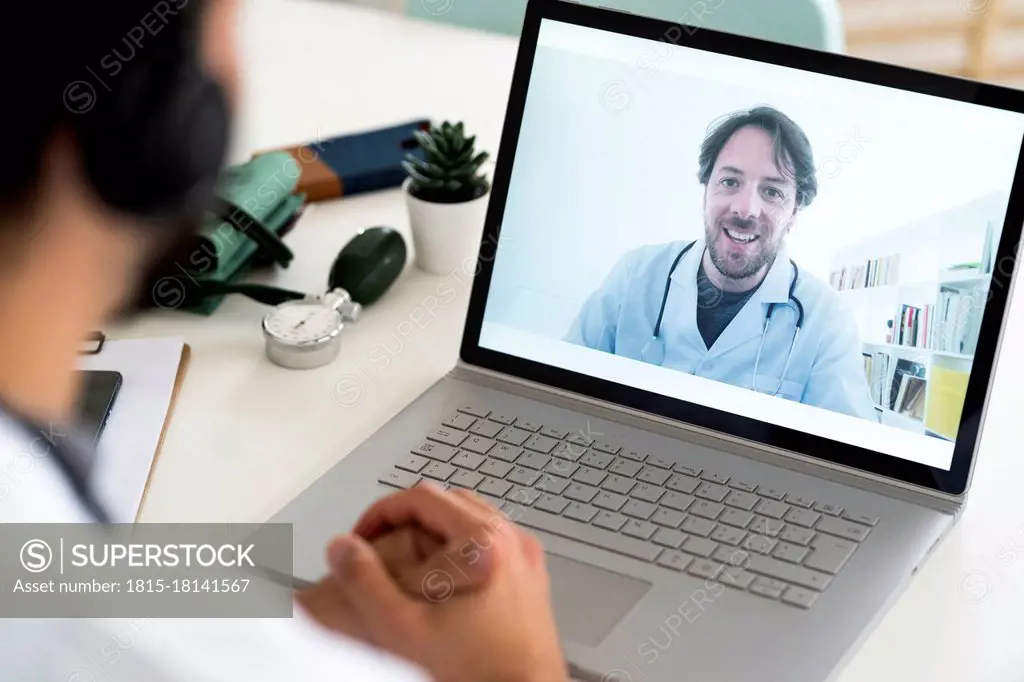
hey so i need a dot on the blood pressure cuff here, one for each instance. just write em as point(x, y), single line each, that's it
point(256, 204)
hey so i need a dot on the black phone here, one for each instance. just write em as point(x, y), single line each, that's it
point(96, 401)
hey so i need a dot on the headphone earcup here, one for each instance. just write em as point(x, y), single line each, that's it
point(156, 145)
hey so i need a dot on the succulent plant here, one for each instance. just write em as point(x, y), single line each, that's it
point(450, 173)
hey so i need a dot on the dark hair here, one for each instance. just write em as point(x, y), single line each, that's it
point(53, 56)
point(793, 154)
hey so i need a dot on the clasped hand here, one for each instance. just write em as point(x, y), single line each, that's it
point(444, 580)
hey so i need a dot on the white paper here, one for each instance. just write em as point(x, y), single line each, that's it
point(129, 441)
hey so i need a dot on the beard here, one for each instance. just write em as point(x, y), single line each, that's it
point(758, 254)
point(164, 254)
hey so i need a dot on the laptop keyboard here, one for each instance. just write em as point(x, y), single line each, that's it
point(769, 542)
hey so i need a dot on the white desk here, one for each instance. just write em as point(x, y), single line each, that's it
point(246, 436)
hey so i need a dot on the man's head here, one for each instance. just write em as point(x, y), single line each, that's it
point(74, 242)
point(757, 169)
point(80, 91)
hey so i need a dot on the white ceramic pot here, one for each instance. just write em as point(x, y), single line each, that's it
point(446, 237)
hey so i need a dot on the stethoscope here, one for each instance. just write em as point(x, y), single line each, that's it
point(654, 350)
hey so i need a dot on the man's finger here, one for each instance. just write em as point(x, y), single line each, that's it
point(324, 602)
point(496, 520)
point(464, 565)
point(399, 547)
point(446, 516)
point(470, 555)
point(363, 581)
point(403, 547)
point(475, 501)
point(412, 558)
point(493, 516)
point(533, 549)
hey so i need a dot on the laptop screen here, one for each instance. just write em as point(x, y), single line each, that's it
point(797, 248)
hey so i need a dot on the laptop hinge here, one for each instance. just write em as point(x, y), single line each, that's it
point(709, 438)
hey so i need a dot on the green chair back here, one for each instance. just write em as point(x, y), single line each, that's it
point(808, 23)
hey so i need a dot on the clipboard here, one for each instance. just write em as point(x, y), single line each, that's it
point(153, 371)
point(179, 379)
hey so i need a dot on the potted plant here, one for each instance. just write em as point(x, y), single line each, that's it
point(446, 195)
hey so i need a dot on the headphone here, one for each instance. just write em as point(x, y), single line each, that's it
point(154, 145)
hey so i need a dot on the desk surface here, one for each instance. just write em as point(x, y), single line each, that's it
point(246, 436)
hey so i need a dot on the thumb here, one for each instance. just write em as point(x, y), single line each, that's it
point(365, 583)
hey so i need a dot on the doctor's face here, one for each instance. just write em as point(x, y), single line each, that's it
point(749, 205)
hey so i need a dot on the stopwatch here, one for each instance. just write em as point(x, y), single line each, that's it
point(306, 333)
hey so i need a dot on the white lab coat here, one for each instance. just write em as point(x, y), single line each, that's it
point(826, 369)
point(33, 489)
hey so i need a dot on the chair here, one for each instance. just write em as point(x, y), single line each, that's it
point(809, 23)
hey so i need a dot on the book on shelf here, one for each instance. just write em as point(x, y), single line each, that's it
point(956, 320)
point(910, 398)
point(911, 328)
point(876, 272)
point(905, 370)
point(949, 325)
point(879, 371)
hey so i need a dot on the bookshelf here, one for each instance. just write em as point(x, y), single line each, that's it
point(889, 365)
point(929, 280)
point(912, 351)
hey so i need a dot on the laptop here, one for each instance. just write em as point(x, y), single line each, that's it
point(734, 487)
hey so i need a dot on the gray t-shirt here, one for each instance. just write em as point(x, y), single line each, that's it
point(716, 308)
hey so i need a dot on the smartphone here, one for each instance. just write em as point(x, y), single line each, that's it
point(96, 401)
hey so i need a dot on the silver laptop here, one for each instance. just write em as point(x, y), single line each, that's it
point(730, 345)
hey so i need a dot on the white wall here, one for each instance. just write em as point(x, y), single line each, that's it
point(607, 161)
point(932, 242)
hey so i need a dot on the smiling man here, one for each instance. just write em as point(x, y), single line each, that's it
point(732, 306)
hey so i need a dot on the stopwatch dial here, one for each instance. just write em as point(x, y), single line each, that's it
point(303, 323)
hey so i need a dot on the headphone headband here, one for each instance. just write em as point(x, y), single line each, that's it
point(154, 144)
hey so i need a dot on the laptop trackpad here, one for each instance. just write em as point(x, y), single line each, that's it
point(588, 600)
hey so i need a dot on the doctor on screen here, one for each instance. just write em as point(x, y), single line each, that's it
point(732, 306)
